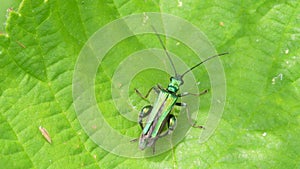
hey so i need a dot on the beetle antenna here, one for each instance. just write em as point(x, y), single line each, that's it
point(221, 54)
point(164, 47)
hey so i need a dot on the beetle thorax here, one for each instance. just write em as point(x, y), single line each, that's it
point(174, 84)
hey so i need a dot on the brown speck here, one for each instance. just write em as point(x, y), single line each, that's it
point(10, 9)
point(21, 44)
point(120, 85)
point(45, 134)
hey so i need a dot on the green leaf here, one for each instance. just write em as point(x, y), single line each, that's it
point(6, 7)
point(41, 43)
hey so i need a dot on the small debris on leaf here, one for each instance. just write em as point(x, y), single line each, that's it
point(45, 134)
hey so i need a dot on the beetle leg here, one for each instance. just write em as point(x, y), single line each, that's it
point(193, 124)
point(159, 87)
point(145, 97)
point(134, 140)
point(144, 113)
point(171, 125)
point(194, 94)
point(172, 122)
point(153, 148)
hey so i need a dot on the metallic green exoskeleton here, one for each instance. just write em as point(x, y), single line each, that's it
point(159, 115)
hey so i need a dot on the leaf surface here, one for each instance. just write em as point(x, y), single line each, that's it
point(42, 40)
